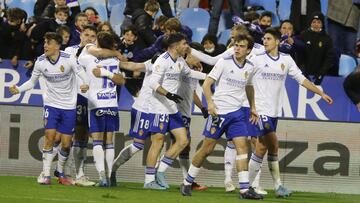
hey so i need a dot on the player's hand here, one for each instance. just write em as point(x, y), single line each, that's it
point(121, 57)
point(14, 90)
point(254, 116)
point(358, 106)
point(28, 64)
point(212, 109)
point(97, 72)
point(84, 88)
point(174, 97)
point(204, 112)
point(327, 98)
point(14, 61)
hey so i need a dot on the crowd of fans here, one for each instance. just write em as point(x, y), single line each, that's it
point(315, 47)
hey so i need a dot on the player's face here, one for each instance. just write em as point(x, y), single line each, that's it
point(316, 25)
point(61, 16)
point(265, 21)
point(241, 49)
point(81, 21)
point(270, 42)
point(287, 29)
point(129, 37)
point(51, 47)
point(65, 37)
point(182, 47)
point(87, 36)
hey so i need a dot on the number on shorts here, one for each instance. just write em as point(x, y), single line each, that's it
point(264, 118)
point(46, 113)
point(164, 118)
point(218, 121)
point(144, 124)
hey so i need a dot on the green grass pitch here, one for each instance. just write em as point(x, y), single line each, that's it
point(26, 190)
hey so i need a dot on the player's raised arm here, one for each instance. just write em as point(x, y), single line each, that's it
point(28, 84)
point(211, 60)
point(132, 66)
point(104, 53)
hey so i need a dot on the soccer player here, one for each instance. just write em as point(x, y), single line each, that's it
point(232, 76)
point(102, 104)
point(58, 69)
point(165, 81)
point(272, 67)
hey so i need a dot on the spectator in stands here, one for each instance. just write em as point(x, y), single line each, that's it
point(235, 31)
point(64, 32)
point(301, 11)
point(12, 34)
point(235, 9)
point(106, 27)
point(49, 25)
point(76, 28)
point(343, 21)
point(318, 52)
point(211, 48)
point(352, 87)
point(132, 5)
point(183, 4)
point(129, 43)
point(158, 27)
point(265, 21)
point(290, 44)
point(92, 15)
point(252, 17)
point(142, 19)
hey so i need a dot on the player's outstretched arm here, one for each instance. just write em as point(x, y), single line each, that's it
point(208, 95)
point(104, 53)
point(198, 103)
point(118, 79)
point(210, 60)
point(26, 86)
point(310, 86)
point(132, 66)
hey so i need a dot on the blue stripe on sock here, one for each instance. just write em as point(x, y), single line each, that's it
point(109, 146)
point(231, 146)
point(138, 145)
point(256, 158)
point(47, 151)
point(97, 142)
point(64, 153)
point(244, 185)
point(167, 160)
point(150, 170)
point(189, 179)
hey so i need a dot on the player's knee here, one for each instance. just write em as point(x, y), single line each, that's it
point(183, 142)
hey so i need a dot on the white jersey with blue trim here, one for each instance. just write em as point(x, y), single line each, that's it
point(186, 91)
point(102, 91)
point(269, 81)
point(73, 50)
point(59, 79)
point(231, 80)
point(167, 72)
point(141, 102)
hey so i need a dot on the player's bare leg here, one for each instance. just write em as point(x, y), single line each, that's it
point(157, 142)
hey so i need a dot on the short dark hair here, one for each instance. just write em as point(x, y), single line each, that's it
point(247, 38)
point(63, 9)
point(63, 28)
point(55, 36)
point(91, 8)
point(80, 15)
point(105, 40)
point(131, 28)
point(90, 27)
point(174, 38)
point(274, 32)
point(286, 21)
point(16, 14)
point(265, 14)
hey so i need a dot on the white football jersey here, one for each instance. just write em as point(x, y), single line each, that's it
point(102, 91)
point(231, 80)
point(269, 81)
point(186, 91)
point(60, 80)
point(166, 72)
point(141, 102)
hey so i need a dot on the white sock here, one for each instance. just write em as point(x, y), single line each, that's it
point(62, 158)
point(254, 167)
point(274, 170)
point(149, 174)
point(109, 157)
point(243, 181)
point(126, 153)
point(229, 159)
point(98, 154)
point(165, 163)
point(184, 165)
point(256, 182)
point(192, 173)
point(47, 160)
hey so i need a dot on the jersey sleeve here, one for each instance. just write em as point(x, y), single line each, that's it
point(217, 70)
point(295, 72)
point(75, 65)
point(158, 72)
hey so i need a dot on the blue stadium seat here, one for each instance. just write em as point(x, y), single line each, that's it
point(284, 9)
point(26, 5)
point(99, 5)
point(111, 3)
point(198, 34)
point(195, 18)
point(347, 65)
point(117, 15)
point(324, 6)
point(224, 36)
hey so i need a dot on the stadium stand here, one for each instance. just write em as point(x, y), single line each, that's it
point(224, 36)
point(99, 5)
point(347, 65)
point(27, 5)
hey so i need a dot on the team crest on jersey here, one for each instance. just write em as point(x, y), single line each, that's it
point(246, 74)
point(161, 126)
point(212, 130)
point(62, 69)
point(282, 67)
point(157, 67)
point(141, 132)
point(320, 44)
point(267, 125)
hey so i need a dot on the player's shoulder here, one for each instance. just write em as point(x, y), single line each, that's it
point(226, 58)
point(64, 54)
point(249, 62)
point(284, 54)
point(261, 54)
point(257, 46)
point(41, 58)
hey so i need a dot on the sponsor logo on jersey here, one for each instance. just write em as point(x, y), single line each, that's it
point(62, 69)
point(101, 112)
point(106, 95)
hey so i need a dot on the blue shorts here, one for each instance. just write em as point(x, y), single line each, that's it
point(82, 111)
point(267, 124)
point(140, 124)
point(232, 124)
point(163, 123)
point(252, 129)
point(104, 120)
point(60, 119)
point(186, 121)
